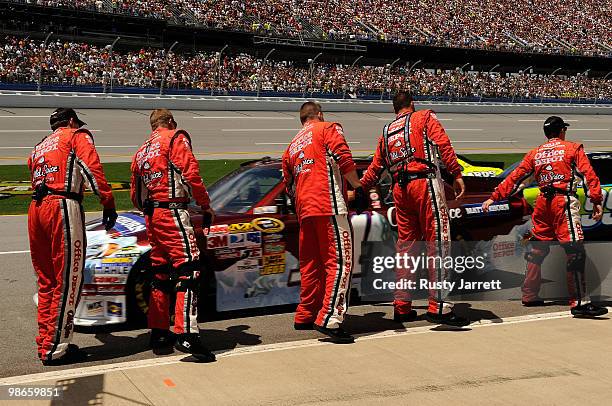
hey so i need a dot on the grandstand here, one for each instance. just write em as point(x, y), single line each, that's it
point(467, 50)
point(523, 25)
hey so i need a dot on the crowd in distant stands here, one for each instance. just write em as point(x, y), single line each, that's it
point(550, 26)
point(67, 63)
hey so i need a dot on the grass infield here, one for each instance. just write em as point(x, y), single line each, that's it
point(211, 171)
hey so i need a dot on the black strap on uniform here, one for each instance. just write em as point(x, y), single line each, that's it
point(42, 191)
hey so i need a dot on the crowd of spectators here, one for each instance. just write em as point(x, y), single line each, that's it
point(78, 64)
point(550, 26)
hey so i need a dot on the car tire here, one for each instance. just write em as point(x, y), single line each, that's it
point(138, 290)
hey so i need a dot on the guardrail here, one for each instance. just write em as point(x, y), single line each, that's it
point(250, 103)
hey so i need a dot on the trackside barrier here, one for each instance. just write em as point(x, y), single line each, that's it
point(247, 103)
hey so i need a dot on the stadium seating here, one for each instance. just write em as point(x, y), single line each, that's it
point(543, 26)
point(80, 64)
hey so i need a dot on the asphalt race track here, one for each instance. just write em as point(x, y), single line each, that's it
point(234, 134)
point(18, 318)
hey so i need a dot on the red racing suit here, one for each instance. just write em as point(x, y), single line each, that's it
point(558, 166)
point(408, 149)
point(64, 162)
point(313, 166)
point(165, 175)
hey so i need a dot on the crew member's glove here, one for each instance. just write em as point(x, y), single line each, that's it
point(208, 218)
point(109, 216)
point(361, 200)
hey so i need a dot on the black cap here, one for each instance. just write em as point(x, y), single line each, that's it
point(64, 115)
point(554, 124)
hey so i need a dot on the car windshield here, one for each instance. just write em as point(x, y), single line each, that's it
point(240, 190)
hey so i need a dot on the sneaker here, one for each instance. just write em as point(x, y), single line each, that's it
point(533, 303)
point(303, 326)
point(450, 319)
point(73, 355)
point(191, 344)
point(404, 317)
point(337, 335)
point(588, 310)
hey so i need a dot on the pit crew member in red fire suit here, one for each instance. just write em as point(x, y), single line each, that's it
point(314, 166)
point(558, 166)
point(408, 149)
point(165, 176)
point(61, 164)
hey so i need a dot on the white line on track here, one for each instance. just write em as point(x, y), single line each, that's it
point(24, 116)
point(284, 143)
point(588, 129)
point(97, 146)
point(14, 252)
point(464, 129)
point(38, 131)
point(157, 362)
point(242, 130)
point(487, 141)
point(542, 121)
point(598, 140)
point(243, 117)
point(439, 119)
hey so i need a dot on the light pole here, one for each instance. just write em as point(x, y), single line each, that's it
point(110, 63)
point(262, 66)
point(42, 55)
point(493, 68)
point(212, 91)
point(310, 69)
point(382, 91)
point(555, 71)
point(352, 65)
point(463, 66)
point(163, 79)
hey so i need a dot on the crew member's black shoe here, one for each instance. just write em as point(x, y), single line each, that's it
point(303, 326)
point(450, 319)
point(191, 344)
point(406, 317)
point(589, 310)
point(533, 303)
point(336, 335)
point(73, 354)
point(161, 340)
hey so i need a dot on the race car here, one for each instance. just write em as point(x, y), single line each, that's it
point(479, 169)
point(593, 231)
point(250, 254)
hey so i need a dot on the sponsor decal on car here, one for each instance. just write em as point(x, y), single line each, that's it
point(109, 279)
point(128, 224)
point(475, 209)
point(272, 237)
point(273, 264)
point(227, 253)
point(114, 309)
point(219, 229)
point(94, 308)
point(217, 241)
point(274, 248)
point(245, 239)
point(240, 227)
point(115, 265)
point(268, 225)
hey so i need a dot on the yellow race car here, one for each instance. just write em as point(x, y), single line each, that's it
point(474, 168)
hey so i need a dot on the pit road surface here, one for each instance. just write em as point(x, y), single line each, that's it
point(107, 346)
point(235, 134)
